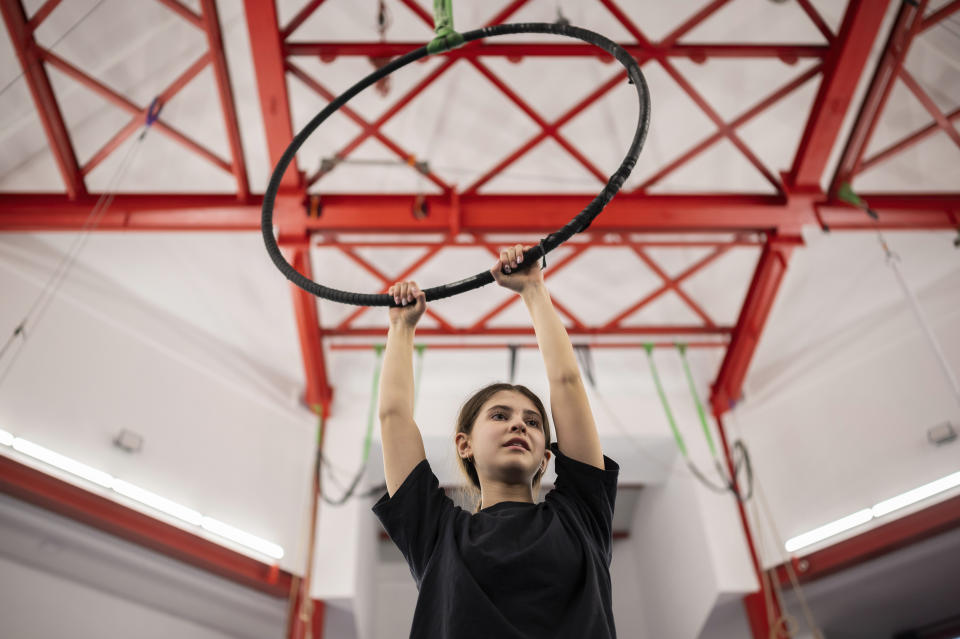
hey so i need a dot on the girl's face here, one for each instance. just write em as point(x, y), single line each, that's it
point(507, 415)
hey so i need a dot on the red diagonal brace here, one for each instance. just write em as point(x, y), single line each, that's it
point(770, 270)
point(598, 93)
point(418, 89)
point(674, 286)
point(211, 26)
point(848, 57)
point(694, 95)
point(318, 392)
point(668, 285)
point(739, 121)
point(907, 142)
point(267, 55)
point(21, 36)
point(908, 23)
point(942, 121)
point(327, 95)
point(370, 268)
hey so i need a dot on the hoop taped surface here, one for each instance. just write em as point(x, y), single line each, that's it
point(580, 222)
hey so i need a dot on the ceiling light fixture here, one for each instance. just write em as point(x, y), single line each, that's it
point(145, 497)
point(880, 509)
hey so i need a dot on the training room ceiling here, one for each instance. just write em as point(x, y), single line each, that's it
point(190, 338)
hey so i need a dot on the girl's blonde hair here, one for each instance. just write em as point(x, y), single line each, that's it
point(467, 417)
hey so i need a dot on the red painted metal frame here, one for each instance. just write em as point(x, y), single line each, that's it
point(755, 603)
point(265, 45)
point(38, 488)
point(482, 213)
point(21, 36)
point(876, 542)
point(32, 56)
point(797, 202)
point(698, 52)
point(644, 51)
point(753, 316)
point(848, 59)
point(910, 23)
point(218, 59)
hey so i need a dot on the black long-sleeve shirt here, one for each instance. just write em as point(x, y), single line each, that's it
point(513, 570)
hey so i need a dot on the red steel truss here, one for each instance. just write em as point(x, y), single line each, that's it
point(464, 218)
point(911, 22)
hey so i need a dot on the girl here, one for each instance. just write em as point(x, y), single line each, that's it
point(513, 568)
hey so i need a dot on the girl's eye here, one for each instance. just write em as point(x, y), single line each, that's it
point(534, 423)
point(499, 415)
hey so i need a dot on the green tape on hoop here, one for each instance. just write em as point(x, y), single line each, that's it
point(446, 38)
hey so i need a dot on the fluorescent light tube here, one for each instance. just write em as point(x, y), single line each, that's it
point(63, 463)
point(6, 439)
point(829, 530)
point(243, 538)
point(157, 502)
point(917, 494)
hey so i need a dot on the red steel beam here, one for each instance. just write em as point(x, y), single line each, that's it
point(541, 213)
point(593, 331)
point(753, 316)
point(353, 346)
point(876, 542)
point(63, 498)
point(42, 13)
point(21, 37)
point(267, 55)
point(909, 22)
point(112, 96)
point(843, 68)
point(318, 392)
point(697, 52)
point(755, 604)
point(922, 211)
point(211, 27)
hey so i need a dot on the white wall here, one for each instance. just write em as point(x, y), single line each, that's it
point(845, 386)
point(61, 578)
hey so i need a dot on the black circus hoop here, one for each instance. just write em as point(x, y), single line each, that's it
point(553, 240)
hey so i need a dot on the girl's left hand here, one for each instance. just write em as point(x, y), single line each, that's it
point(512, 273)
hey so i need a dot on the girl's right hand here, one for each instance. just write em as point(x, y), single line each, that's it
point(413, 303)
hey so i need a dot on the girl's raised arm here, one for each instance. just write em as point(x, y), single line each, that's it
point(576, 429)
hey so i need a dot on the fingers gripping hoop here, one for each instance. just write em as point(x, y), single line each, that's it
point(547, 244)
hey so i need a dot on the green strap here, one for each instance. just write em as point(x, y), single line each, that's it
point(378, 349)
point(663, 399)
point(446, 38)
point(845, 193)
point(416, 380)
point(696, 399)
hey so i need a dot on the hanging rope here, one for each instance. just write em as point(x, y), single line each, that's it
point(42, 303)
point(846, 194)
point(371, 418)
point(784, 625)
point(743, 459)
